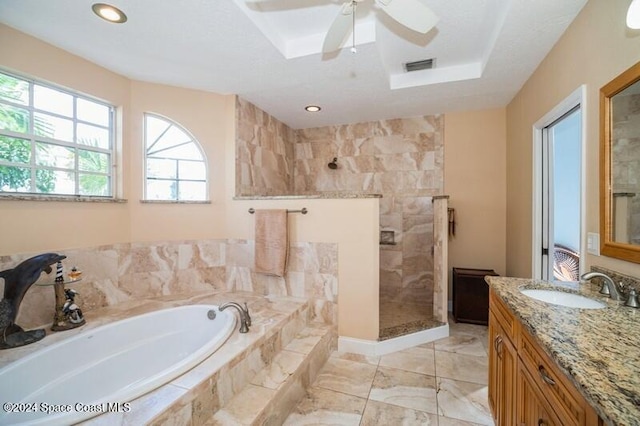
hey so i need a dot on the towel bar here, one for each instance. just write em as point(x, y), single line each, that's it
point(303, 210)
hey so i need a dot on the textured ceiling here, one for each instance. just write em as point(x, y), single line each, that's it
point(268, 51)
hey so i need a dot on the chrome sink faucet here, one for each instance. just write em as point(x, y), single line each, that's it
point(245, 318)
point(608, 285)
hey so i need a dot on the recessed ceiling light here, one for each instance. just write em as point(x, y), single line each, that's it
point(109, 13)
point(633, 15)
point(312, 108)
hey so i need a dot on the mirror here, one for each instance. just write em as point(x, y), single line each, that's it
point(620, 166)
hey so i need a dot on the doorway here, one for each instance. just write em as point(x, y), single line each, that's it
point(559, 180)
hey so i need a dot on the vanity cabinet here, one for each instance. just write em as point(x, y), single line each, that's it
point(526, 388)
point(502, 373)
point(532, 407)
point(503, 358)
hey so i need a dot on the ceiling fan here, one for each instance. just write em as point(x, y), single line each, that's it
point(413, 14)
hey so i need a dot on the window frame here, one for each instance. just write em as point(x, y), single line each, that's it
point(33, 138)
point(192, 140)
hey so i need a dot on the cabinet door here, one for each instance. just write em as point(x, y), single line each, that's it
point(530, 409)
point(494, 380)
point(502, 375)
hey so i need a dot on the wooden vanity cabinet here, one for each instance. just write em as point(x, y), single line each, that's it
point(502, 373)
point(532, 406)
point(503, 358)
point(526, 388)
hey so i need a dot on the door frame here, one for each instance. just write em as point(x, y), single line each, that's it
point(577, 98)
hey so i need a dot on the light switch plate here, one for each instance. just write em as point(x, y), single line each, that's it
point(593, 243)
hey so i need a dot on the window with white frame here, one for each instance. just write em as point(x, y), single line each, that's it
point(175, 165)
point(53, 141)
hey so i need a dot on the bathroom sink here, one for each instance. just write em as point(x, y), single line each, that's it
point(562, 298)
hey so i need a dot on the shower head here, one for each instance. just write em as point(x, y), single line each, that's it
point(333, 164)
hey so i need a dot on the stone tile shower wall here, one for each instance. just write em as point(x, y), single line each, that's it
point(264, 152)
point(401, 159)
point(625, 149)
point(125, 272)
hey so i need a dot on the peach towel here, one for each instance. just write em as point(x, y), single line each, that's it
point(272, 242)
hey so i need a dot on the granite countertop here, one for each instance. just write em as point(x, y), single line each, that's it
point(598, 349)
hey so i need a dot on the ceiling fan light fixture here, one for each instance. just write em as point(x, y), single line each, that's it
point(312, 108)
point(633, 15)
point(109, 13)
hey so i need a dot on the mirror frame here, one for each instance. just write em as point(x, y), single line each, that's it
point(608, 247)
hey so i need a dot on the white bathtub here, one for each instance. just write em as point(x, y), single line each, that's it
point(100, 370)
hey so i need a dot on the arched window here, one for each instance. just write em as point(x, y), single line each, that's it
point(175, 165)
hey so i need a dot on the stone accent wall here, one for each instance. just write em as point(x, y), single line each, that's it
point(264, 152)
point(402, 159)
point(125, 272)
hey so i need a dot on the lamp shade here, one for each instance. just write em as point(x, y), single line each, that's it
point(633, 15)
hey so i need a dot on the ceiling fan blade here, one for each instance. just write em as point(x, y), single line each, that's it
point(339, 29)
point(413, 14)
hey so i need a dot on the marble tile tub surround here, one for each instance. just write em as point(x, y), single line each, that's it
point(598, 349)
point(124, 272)
point(193, 397)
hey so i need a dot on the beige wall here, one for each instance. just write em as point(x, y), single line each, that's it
point(205, 116)
point(596, 47)
point(32, 226)
point(475, 180)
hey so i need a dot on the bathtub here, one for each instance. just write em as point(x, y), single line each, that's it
point(100, 370)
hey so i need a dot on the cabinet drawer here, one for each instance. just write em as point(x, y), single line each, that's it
point(532, 408)
point(562, 396)
point(504, 316)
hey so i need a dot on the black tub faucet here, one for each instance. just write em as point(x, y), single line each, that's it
point(16, 283)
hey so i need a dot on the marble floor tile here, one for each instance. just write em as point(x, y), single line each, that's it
point(325, 407)
point(441, 383)
point(378, 413)
point(464, 401)
point(350, 377)
point(446, 421)
point(404, 389)
point(467, 368)
point(466, 344)
point(418, 360)
point(373, 360)
point(457, 328)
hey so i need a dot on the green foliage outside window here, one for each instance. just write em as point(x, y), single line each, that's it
point(19, 143)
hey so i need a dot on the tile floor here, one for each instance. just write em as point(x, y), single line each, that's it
point(405, 310)
point(443, 383)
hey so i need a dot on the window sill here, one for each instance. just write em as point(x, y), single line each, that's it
point(65, 198)
point(173, 202)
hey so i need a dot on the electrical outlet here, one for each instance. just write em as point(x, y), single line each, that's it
point(593, 243)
